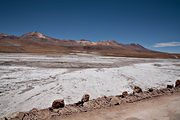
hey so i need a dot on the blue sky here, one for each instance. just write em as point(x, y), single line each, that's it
point(154, 24)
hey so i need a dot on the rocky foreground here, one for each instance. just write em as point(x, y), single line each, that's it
point(59, 109)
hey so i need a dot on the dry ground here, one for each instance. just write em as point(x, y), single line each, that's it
point(159, 108)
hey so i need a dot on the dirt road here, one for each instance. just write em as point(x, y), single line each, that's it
point(160, 108)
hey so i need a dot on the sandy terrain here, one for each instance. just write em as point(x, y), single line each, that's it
point(28, 81)
point(161, 108)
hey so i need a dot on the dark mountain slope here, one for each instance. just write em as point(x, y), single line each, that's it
point(35, 42)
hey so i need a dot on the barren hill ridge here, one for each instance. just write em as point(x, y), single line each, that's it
point(36, 42)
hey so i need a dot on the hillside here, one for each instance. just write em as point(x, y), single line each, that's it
point(35, 42)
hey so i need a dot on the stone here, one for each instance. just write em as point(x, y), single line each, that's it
point(92, 104)
point(177, 84)
point(103, 101)
point(21, 115)
point(150, 89)
point(115, 101)
point(124, 94)
point(34, 110)
point(85, 98)
point(137, 89)
point(58, 104)
point(170, 86)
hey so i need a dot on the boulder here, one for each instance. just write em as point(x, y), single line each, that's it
point(85, 98)
point(124, 94)
point(150, 90)
point(137, 89)
point(170, 86)
point(58, 104)
point(21, 115)
point(34, 110)
point(130, 99)
point(103, 101)
point(177, 84)
point(92, 104)
point(115, 101)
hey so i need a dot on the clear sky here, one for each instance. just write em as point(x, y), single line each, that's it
point(154, 24)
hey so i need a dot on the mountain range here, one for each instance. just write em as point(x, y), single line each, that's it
point(36, 42)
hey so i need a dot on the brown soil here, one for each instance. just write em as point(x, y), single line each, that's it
point(148, 105)
point(158, 108)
